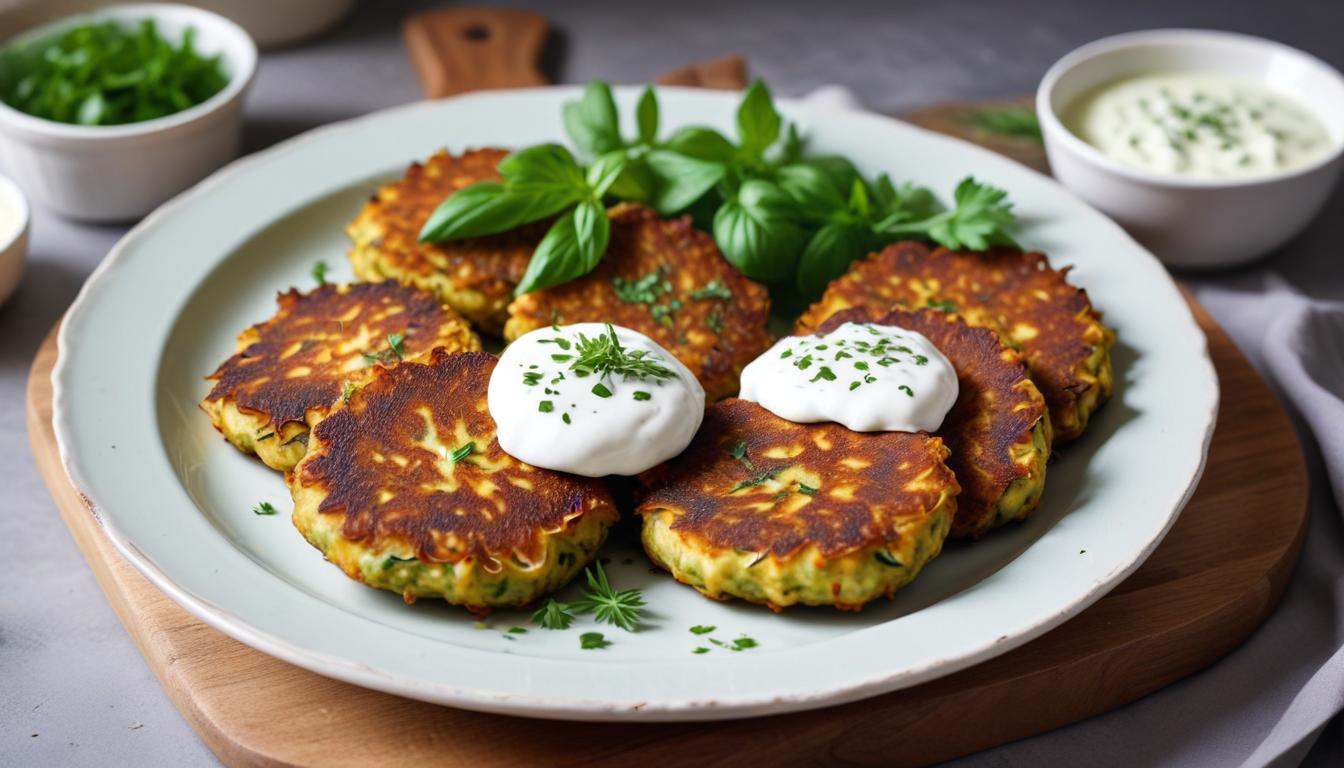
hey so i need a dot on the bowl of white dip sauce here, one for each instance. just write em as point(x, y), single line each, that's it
point(1211, 148)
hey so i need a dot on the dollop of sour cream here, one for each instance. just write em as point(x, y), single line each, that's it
point(593, 399)
point(1197, 124)
point(867, 377)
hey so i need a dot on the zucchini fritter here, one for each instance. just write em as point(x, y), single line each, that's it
point(667, 280)
point(476, 276)
point(1017, 294)
point(405, 488)
point(289, 370)
point(781, 513)
point(998, 431)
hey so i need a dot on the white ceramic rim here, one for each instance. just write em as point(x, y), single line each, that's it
point(244, 70)
point(12, 194)
point(571, 707)
point(1172, 38)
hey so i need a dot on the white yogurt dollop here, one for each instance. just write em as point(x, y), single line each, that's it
point(552, 410)
point(867, 377)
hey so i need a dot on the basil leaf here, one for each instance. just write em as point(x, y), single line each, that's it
point(756, 234)
point(793, 146)
point(811, 191)
point(636, 182)
point(646, 116)
point(904, 203)
point(604, 171)
point(758, 123)
point(572, 248)
point(680, 180)
point(829, 253)
point(839, 170)
point(591, 122)
point(544, 169)
point(702, 144)
point(487, 208)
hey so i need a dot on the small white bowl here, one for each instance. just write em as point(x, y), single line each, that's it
point(120, 172)
point(1195, 223)
point(13, 239)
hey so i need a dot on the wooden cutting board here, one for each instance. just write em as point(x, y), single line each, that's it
point(1213, 580)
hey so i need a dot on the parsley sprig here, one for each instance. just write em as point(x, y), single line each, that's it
point(621, 608)
point(603, 356)
point(780, 217)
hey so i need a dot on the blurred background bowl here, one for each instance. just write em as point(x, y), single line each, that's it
point(13, 238)
point(121, 172)
point(1195, 223)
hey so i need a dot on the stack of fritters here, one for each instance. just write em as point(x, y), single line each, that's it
point(405, 488)
point(998, 431)
point(667, 280)
point(1015, 293)
point(290, 370)
point(780, 513)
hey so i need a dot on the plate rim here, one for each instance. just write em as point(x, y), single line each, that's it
point(549, 706)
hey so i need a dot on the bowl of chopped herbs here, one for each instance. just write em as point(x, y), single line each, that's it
point(105, 115)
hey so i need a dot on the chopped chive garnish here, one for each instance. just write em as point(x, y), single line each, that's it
point(463, 452)
point(545, 406)
point(642, 395)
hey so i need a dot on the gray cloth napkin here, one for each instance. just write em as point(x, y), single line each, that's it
point(1266, 703)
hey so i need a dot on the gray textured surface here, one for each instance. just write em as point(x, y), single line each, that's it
point(73, 689)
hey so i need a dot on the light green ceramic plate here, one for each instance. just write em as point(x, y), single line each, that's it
point(164, 307)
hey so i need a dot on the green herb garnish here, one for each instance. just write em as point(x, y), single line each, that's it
point(517, 630)
point(700, 649)
point(603, 356)
point(264, 508)
point(601, 390)
point(1013, 120)
point(108, 73)
point(394, 560)
point(348, 391)
point(463, 452)
point(714, 289)
point(701, 629)
point(394, 353)
point(319, 272)
point(606, 604)
point(760, 479)
point(545, 406)
point(738, 451)
point(553, 615)
point(642, 395)
point(944, 305)
point(806, 489)
point(590, 640)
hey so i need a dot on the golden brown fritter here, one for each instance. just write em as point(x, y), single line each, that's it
point(998, 431)
point(778, 512)
point(475, 276)
point(406, 488)
point(289, 370)
point(1017, 294)
point(667, 280)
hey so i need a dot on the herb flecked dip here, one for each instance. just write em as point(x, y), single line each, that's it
point(1197, 124)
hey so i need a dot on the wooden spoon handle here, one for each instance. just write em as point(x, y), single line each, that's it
point(726, 74)
point(455, 50)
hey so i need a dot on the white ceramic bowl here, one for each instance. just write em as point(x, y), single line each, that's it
point(13, 239)
point(1189, 222)
point(120, 172)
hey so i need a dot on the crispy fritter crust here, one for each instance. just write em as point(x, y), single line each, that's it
point(1017, 294)
point(694, 303)
point(382, 467)
point(811, 503)
point(289, 370)
point(475, 277)
point(998, 431)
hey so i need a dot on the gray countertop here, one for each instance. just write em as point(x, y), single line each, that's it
point(73, 688)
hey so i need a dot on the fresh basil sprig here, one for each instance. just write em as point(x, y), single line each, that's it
point(780, 218)
point(539, 182)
